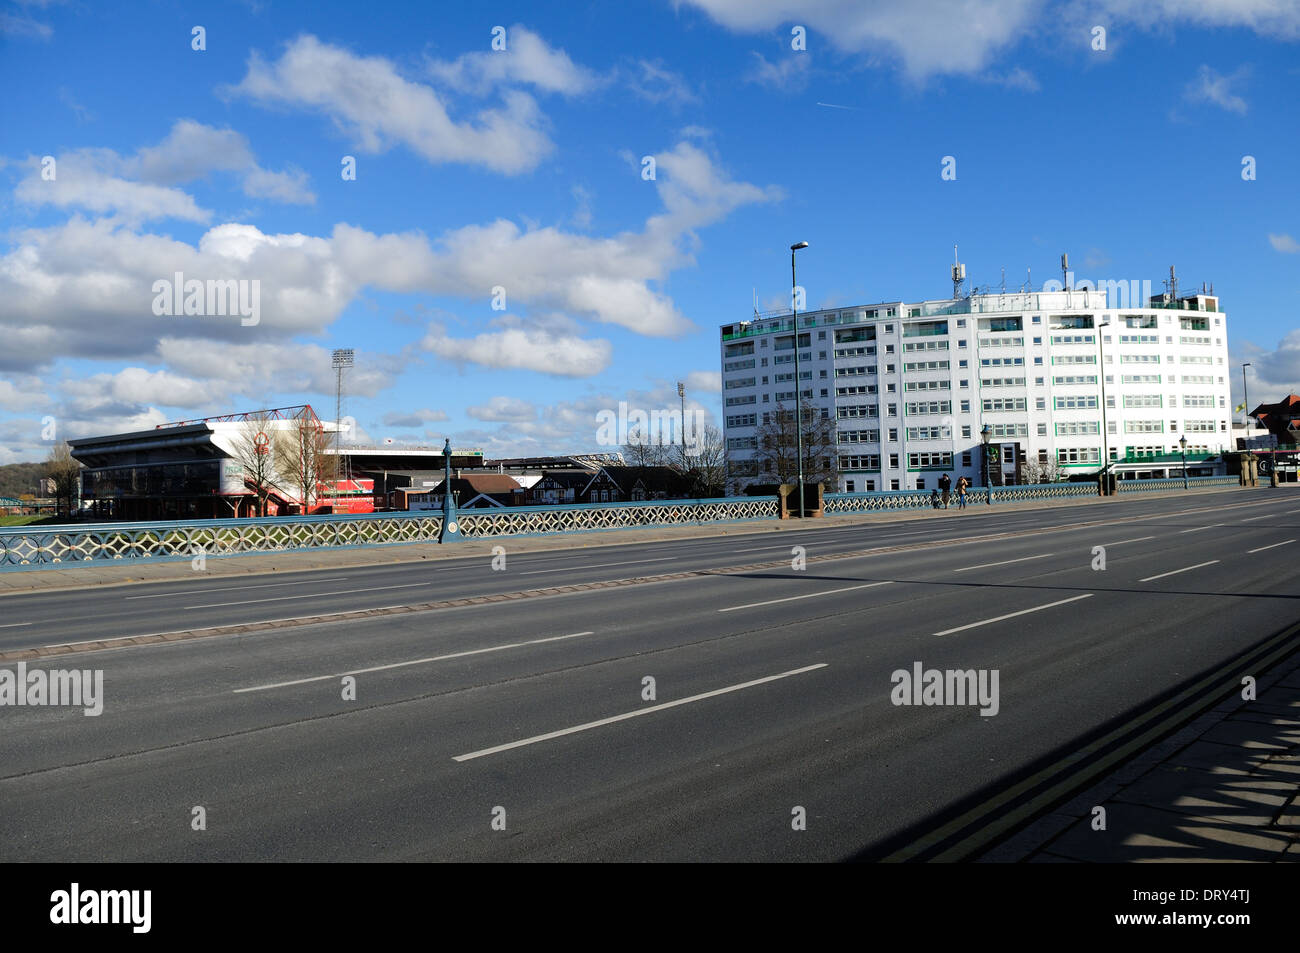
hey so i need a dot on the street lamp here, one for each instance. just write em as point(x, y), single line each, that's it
point(798, 385)
point(1182, 442)
point(1245, 396)
point(681, 393)
point(986, 434)
point(1105, 430)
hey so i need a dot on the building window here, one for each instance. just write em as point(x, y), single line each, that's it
point(965, 459)
point(965, 431)
point(893, 434)
point(893, 463)
point(893, 484)
point(848, 486)
point(965, 406)
point(1042, 430)
point(920, 483)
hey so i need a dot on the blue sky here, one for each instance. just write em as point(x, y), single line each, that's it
point(523, 169)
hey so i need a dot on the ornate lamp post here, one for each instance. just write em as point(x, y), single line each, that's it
point(986, 434)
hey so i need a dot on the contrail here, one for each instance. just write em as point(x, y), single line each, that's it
point(834, 106)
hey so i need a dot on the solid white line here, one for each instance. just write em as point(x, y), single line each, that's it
point(630, 562)
point(269, 585)
point(1123, 541)
point(107, 638)
point(760, 548)
point(811, 595)
point(1177, 571)
point(1012, 615)
point(1005, 562)
point(419, 661)
point(13, 625)
point(1248, 552)
point(1197, 529)
point(1250, 519)
point(310, 595)
point(633, 714)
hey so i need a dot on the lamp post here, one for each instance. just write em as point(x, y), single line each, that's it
point(1182, 442)
point(986, 434)
point(1245, 396)
point(681, 393)
point(798, 402)
point(1105, 430)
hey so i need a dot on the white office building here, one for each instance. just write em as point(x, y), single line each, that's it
point(1059, 377)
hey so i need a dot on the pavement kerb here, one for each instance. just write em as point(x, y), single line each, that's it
point(84, 577)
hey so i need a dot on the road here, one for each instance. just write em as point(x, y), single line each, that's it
point(771, 690)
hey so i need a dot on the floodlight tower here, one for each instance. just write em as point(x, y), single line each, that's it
point(341, 358)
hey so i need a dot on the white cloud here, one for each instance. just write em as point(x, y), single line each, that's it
point(527, 59)
point(1284, 243)
point(709, 382)
point(524, 348)
point(135, 385)
point(1212, 87)
point(1273, 374)
point(413, 418)
point(582, 214)
point(935, 37)
point(655, 83)
point(788, 73)
point(23, 392)
point(81, 181)
point(1015, 78)
point(1269, 18)
point(142, 187)
point(500, 409)
point(954, 37)
point(84, 288)
point(18, 24)
point(376, 107)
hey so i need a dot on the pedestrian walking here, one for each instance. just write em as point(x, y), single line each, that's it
point(945, 484)
point(934, 499)
point(961, 493)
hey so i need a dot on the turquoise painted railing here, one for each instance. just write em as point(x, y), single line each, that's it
point(29, 547)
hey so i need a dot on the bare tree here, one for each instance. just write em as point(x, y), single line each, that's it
point(65, 473)
point(255, 450)
point(644, 450)
point(709, 465)
point(303, 460)
point(778, 443)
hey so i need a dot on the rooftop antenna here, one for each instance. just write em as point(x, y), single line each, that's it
point(1173, 284)
point(958, 274)
point(1004, 280)
point(1065, 271)
point(754, 292)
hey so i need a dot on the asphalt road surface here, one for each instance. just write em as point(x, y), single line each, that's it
point(526, 729)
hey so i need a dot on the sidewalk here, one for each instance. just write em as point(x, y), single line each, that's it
point(125, 572)
point(1224, 788)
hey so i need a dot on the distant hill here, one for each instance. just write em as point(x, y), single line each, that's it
point(19, 478)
